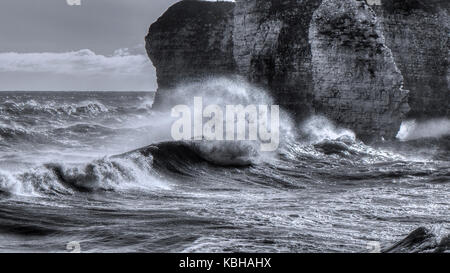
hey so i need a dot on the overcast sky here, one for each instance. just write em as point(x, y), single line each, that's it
point(49, 45)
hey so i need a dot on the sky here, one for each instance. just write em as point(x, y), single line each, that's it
point(50, 45)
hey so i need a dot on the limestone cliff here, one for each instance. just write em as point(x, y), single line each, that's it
point(271, 47)
point(418, 33)
point(331, 57)
point(192, 40)
point(356, 80)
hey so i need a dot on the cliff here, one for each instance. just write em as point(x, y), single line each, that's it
point(418, 34)
point(272, 48)
point(192, 40)
point(340, 58)
point(356, 80)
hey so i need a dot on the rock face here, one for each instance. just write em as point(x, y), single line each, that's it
point(272, 48)
point(356, 81)
point(331, 57)
point(418, 33)
point(192, 40)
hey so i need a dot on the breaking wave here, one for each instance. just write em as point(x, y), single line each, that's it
point(139, 169)
point(319, 128)
point(119, 173)
point(146, 167)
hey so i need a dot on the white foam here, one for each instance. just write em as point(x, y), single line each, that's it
point(434, 128)
point(319, 128)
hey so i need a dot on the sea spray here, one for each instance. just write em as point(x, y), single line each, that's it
point(434, 128)
point(318, 128)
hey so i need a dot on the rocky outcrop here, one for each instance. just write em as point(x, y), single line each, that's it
point(331, 57)
point(192, 40)
point(356, 81)
point(418, 33)
point(421, 240)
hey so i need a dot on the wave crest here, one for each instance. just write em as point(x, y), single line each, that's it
point(32, 107)
point(119, 173)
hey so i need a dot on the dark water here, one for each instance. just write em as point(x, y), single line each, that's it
point(77, 167)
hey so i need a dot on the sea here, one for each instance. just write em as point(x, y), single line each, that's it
point(99, 172)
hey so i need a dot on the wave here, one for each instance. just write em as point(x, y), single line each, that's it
point(136, 169)
point(219, 153)
point(140, 168)
point(318, 138)
point(77, 124)
point(12, 135)
point(127, 172)
point(318, 128)
point(144, 168)
point(315, 141)
point(12, 132)
point(32, 107)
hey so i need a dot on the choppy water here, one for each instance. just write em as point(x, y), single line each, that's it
point(78, 167)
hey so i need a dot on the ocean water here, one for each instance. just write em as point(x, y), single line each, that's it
point(99, 170)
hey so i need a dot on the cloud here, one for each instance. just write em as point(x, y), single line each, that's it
point(83, 62)
point(124, 70)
